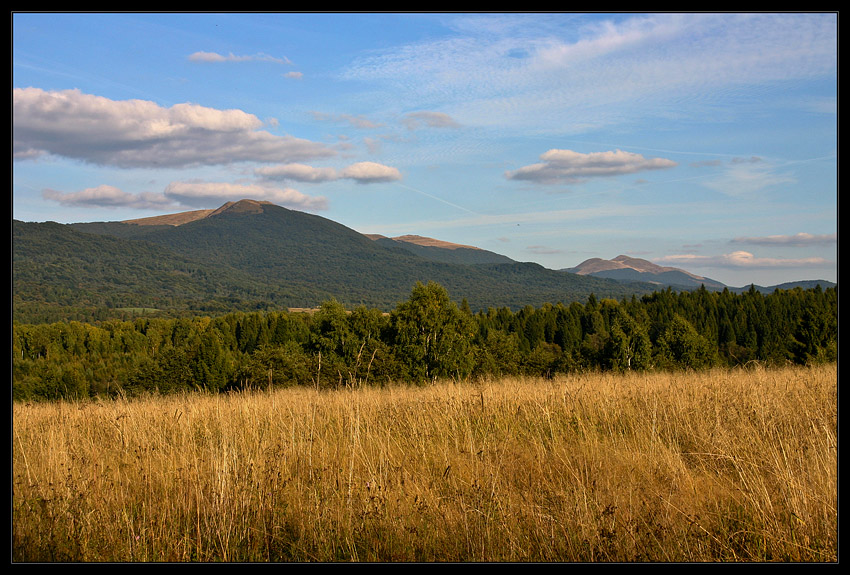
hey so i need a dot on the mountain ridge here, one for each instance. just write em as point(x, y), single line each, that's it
point(422, 241)
point(623, 261)
point(252, 255)
point(628, 268)
point(622, 268)
point(420, 244)
point(180, 218)
point(258, 255)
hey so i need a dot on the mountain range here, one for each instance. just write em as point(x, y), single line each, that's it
point(629, 269)
point(258, 255)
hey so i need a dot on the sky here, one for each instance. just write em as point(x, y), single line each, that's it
point(703, 141)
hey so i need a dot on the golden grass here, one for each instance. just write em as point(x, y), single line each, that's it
point(736, 465)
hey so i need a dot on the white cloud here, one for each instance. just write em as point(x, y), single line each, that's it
point(740, 259)
point(361, 172)
point(209, 194)
point(745, 178)
point(142, 134)
point(214, 57)
point(567, 166)
point(297, 172)
point(548, 74)
point(370, 172)
point(800, 239)
point(192, 194)
point(108, 197)
point(606, 37)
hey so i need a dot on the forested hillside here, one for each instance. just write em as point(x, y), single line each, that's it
point(425, 337)
point(261, 259)
point(61, 274)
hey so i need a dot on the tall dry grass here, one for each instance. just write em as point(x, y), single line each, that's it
point(716, 466)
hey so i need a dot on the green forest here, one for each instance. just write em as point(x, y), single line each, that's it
point(427, 337)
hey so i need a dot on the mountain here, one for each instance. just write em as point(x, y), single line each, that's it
point(803, 284)
point(628, 269)
point(59, 272)
point(256, 255)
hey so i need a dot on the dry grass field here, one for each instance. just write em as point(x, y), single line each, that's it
point(724, 465)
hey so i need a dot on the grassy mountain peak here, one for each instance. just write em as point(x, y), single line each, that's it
point(628, 268)
point(180, 218)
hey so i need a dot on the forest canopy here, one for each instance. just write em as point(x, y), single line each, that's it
point(426, 338)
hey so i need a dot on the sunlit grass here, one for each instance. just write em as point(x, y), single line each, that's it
point(736, 465)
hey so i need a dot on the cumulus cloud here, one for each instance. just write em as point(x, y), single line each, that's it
point(214, 57)
point(108, 197)
point(191, 194)
point(370, 172)
point(142, 134)
point(361, 172)
point(567, 166)
point(297, 172)
point(801, 239)
point(206, 194)
point(740, 259)
point(414, 120)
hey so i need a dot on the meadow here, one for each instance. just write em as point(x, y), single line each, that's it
point(717, 465)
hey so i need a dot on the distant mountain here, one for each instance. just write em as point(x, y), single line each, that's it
point(804, 284)
point(628, 269)
point(250, 255)
point(256, 255)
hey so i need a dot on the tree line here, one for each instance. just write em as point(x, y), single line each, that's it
point(425, 338)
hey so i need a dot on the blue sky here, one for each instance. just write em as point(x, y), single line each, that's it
point(705, 141)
